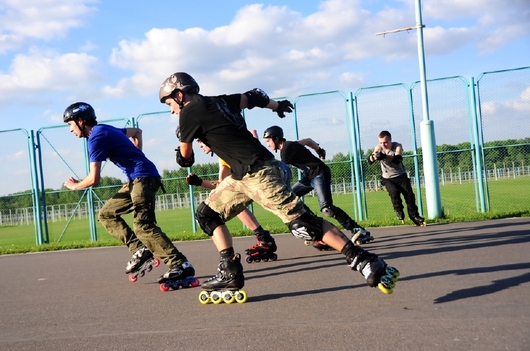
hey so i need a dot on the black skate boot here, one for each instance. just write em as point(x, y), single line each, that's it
point(374, 269)
point(418, 221)
point(401, 216)
point(142, 261)
point(226, 284)
point(263, 250)
point(181, 275)
point(361, 236)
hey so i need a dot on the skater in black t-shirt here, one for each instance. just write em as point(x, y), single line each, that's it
point(316, 175)
point(255, 176)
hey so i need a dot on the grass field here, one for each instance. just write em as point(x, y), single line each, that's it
point(507, 197)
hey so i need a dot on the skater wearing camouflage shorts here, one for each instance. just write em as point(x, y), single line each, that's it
point(123, 148)
point(316, 176)
point(394, 177)
point(255, 176)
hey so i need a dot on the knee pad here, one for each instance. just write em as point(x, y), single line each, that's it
point(306, 227)
point(328, 211)
point(208, 219)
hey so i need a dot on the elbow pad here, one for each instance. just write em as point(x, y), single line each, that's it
point(257, 97)
point(184, 162)
point(397, 159)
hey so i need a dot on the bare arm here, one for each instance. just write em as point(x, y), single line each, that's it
point(92, 178)
point(186, 149)
point(135, 134)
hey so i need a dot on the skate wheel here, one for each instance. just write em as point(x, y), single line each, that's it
point(248, 259)
point(307, 243)
point(228, 297)
point(132, 278)
point(142, 273)
point(156, 263)
point(386, 290)
point(241, 296)
point(274, 257)
point(216, 297)
point(164, 287)
point(204, 297)
point(265, 259)
point(195, 282)
point(257, 259)
point(149, 269)
point(393, 272)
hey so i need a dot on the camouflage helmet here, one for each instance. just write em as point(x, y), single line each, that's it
point(178, 81)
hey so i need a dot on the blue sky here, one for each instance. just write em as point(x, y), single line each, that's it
point(115, 54)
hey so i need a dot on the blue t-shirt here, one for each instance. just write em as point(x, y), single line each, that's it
point(108, 142)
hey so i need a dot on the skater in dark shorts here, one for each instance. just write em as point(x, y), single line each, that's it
point(123, 147)
point(394, 177)
point(316, 175)
point(255, 176)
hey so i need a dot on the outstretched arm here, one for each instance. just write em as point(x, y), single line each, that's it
point(313, 145)
point(258, 98)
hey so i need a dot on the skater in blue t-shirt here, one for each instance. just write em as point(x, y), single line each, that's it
point(123, 147)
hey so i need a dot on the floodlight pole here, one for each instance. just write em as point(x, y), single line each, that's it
point(428, 139)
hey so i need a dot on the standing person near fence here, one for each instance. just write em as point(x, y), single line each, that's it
point(123, 147)
point(263, 250)
point(394, 177)
point(316, 175)
point(255, 176)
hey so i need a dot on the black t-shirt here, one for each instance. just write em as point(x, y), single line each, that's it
point(217, 121)
point(295, 154)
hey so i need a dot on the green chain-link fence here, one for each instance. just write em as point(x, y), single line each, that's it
point(482, 139)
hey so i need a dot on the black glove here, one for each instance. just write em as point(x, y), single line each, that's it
point(321, 153)
point(284, 106)
point(185, 162)
point(380, 156)
point(369, 159)
point(193, 179)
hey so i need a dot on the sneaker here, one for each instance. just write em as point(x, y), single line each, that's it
point(138, 259)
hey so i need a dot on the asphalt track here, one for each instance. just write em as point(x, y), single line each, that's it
point(463, 286)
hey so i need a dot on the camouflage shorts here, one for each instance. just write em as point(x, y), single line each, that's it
point(265, 187)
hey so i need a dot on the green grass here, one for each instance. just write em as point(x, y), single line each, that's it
point(508, 198)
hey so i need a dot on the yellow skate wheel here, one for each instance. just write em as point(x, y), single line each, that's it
point(204, 297)
point(386, 290)
point(228, 297)
point(241, 296)
point(307, 243)
point(216, 297)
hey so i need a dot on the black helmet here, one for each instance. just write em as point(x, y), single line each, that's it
point(79, 110)
point(273, 132)
point(178, 81)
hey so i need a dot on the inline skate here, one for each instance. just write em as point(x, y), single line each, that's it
point(179, 276)
point(226, 284)
point(400, 216)
point(264, 250)
point(418, 221)
point(361, 236)
point(141, 262)
point(373, 268)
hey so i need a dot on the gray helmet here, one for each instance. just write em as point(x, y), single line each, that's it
point(79, 110)
point(178, 81)
point(273, 132)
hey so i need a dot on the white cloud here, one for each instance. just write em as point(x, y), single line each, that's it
point(43, 72)
point(23, 21)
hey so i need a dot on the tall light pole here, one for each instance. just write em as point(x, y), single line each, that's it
point(428, 139)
